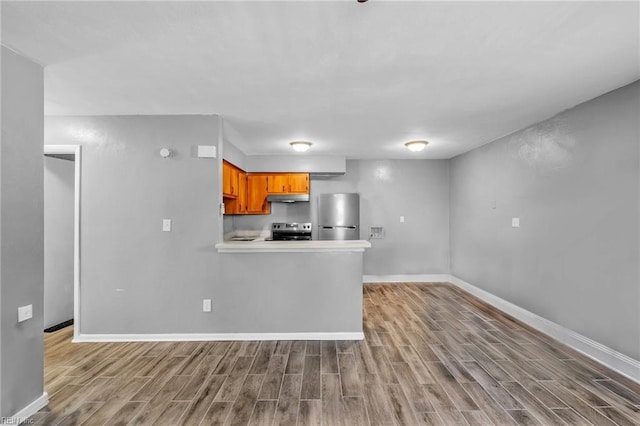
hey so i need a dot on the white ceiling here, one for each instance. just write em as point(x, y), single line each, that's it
point(355, 79)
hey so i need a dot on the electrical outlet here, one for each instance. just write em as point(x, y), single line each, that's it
point(377, 232)
point(206, 305)
point(515, 222)
point(25, 313)
point(166, 225)
point(401, 219)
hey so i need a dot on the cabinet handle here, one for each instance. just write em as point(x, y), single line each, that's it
point(282, 188)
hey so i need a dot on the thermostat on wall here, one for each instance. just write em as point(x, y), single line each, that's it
point(206, 151)
point(165, 153)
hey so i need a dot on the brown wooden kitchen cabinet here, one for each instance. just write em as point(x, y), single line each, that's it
point(257, 194)
point(288, 183)
point(229, 180)
point(299, 183)
point(246, 193)
point(238, 205)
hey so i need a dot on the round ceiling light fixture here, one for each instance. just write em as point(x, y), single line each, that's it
point(416, 146)
point(300, 146)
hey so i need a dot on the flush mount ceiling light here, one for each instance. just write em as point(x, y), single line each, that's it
point(300, 146)
point(416, 146)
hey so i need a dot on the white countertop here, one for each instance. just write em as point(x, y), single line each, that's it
point(261, 246)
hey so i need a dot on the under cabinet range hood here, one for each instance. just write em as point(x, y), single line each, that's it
point(288, 198)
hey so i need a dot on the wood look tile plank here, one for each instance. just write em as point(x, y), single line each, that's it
point(492, 387)
point(295, 362)
point(310, 413)
point(261, 363)
point(490, 407)
point(411, 387)
point(617, 417)
point(171, 415)
point(122, 393)
point(329, 357)
point(535, 407)
point(289, 400)
point(476, 417)
point(311, 378)
point(242, 408)
point(216, 414)
point(313, 347)
point(349, 379)
point(77, 416)
point(263, 413)
point(619, 390)
point(447, 410)
point(198, 378)
point(376, 400)
point(401, 408)
point(523, 417)
point(570, 417)
point(581, 407)
point(273, 379)
point(163, 396)
point(385, 370)
point(200, 404)
point(332, 410)
point(232, 385)
point(355, 413)
point(125, 413)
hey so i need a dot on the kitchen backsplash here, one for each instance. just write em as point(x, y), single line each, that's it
point(280, 212)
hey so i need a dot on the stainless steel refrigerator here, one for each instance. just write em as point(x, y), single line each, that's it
point(339, 216)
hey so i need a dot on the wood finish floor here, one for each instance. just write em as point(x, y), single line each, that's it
point(432, 355)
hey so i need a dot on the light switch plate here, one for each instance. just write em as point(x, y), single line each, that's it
point(166, 225)
point(206, 305)
point(515, 222)
point(25, 313)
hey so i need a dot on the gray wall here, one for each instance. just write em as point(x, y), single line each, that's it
point(58, 240)
point(295, 163)
point(573, 181)
point(21, 232)
point(134, 277)
point(416, 189)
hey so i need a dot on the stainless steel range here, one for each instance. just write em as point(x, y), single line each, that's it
point(290, 231)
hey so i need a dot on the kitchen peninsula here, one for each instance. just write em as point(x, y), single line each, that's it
point(300, 290)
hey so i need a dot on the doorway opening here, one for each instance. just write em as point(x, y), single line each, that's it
point(62, 288)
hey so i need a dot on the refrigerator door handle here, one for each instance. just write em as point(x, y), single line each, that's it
point(338, 227)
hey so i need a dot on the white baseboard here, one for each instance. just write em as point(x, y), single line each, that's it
point(399, 279)
point(610, 358)
point(205, 337)
point(28, 411)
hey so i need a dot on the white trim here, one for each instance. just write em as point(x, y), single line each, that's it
point(610, 358)
point(399, 279)
point(197, 337)
point(28, 411)
point(76, 150)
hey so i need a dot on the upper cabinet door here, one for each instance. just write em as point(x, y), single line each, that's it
point(241, 206)
point(229, 180)
point(289, 183)
point(299, 183)
point(278, 184)
point(257, 194)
